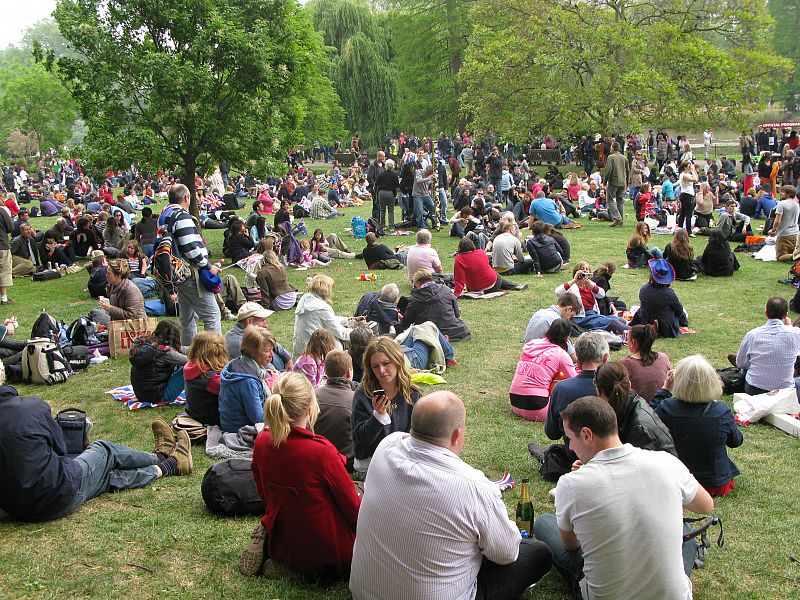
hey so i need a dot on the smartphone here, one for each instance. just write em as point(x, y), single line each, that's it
point(378, 393)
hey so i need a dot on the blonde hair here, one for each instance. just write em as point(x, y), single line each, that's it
point(292, 395)
point(581, 266)
point(322, 286)
point(120, 268)
point(256, 339)
point(209, 350)
point(396, 356)
point(422, 276)
point(696, 380)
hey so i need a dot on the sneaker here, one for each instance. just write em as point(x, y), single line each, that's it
point(164, 436)
point(452, 362)
point(521, 287)
point(183, 453)
point(251, 561)
point(6, 301)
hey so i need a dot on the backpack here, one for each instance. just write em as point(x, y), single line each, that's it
point(82, 332)
point(43, 362)
point(732, 380)
point(78, 356)
point(45, 275)
point(168, 269)
point(229, 488)
point(375, 227)
point(46, 327)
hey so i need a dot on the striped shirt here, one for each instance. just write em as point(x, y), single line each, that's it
point(187, 237)
point(426, 521)
point(768, 353)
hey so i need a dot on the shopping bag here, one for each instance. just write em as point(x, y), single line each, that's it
point(122, 333)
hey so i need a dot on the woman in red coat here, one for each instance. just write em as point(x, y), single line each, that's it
point(310, 524)
point(473, 271)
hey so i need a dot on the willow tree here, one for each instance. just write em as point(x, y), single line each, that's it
point(362, 69)
point(191, 82)
point(613, 65)
point(430, 38)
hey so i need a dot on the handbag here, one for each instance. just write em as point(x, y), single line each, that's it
point(76, 427)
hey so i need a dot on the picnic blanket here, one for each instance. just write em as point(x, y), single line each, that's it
point(483, 295)
point(125, 394)
point(506, 482)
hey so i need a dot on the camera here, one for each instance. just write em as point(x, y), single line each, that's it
point(584, 274)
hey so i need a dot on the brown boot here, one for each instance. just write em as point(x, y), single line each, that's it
point(251, 561)
point(183, 453)
point(165, 437)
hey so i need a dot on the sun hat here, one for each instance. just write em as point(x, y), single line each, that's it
point(661, 271)
point(252, 309)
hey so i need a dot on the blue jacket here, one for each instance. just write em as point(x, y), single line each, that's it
point(565, 393)
point(701, 443)
point(241, 396)
point(37, 478)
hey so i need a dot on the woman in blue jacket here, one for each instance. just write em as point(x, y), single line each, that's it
point(242, 389)
point(701, 426)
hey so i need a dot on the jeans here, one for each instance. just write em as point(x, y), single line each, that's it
point(147, 286)
point(174, 386)
point(655, 252)
point(520, 268)
point(495, 181)
point(419, 353)
point(385, 204)
point(569, 563)
point(753, 390)
point(108, 467)
point(508, 582)
point(686, 210)
point(196, 304)
point(423, 204)
point(615, 201)
point(406, 206)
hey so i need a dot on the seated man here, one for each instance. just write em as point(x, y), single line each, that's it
point(618, 528)
point(422, 256)
point(507, 255)
point(335, 400)
point(545, 209)
point(566, 307)
point(320, 207)
point(25, 258)
point(435, 302)
point(458, 544)
point(734, 225)
point(591, 351)
point(39, 482)
point(381, 307)
point(252, 313)
point(380, 256)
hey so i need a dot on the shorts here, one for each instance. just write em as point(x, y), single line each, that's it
point(6, 267)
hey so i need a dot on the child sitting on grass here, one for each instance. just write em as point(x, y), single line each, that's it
point(312, 362)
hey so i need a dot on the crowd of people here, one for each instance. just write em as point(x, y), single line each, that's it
point(344, 406)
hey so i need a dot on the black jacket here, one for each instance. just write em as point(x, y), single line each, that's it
point(436, 303)
point(38, 481)
point(383, 313)
point(718, 261)
point(640, 426)
point(98, 281)
point(151, 369)
point(23, 247)
point(240, 246)
point(545, 252)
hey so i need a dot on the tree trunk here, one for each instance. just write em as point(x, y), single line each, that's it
point(190, 170)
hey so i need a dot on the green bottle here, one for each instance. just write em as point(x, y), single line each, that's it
point(524, 516)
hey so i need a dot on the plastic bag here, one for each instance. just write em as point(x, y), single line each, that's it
point(427, 378)
point(753, 408)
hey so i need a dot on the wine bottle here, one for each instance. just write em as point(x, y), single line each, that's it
point(524, 517)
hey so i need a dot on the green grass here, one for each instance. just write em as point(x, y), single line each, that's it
point(193, 554)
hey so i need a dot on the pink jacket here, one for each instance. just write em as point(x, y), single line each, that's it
point(311, 368)
point(540, 362)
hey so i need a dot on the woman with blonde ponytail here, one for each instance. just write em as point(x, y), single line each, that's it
point(310, 524)
point(638, 424)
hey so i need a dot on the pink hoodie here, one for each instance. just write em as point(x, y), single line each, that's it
point(538, 365)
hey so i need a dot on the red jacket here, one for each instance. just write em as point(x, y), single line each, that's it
point(472, 270)
point(312, 505)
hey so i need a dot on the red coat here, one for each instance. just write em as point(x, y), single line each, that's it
point(472, 270)
point(312, 505)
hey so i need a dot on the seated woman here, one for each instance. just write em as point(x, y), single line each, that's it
point(473, 272)
point(701, 426)
point(659, 304)
point(113, 235)
point(637, 251)
point(704, 206)
point(259, 230)
point(581, 286)
point(137, 263)
point(157, 364)
point(360, 338)
point(544, 250)
point(434, 302)
point(125, 300)
point(384, 399)
point(276, 291)
point(242, 389)
point(718, 260)
point(638, 424)
point(208, 355)
point(266, 200)
point(51, 252)
point(541, 364)
point(240, 244)
point(646, 368)
point(311, 363)
point(304, 484)
point(315, 312)
point(680, 254)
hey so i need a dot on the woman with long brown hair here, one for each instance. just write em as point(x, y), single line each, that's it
point(637, 250)
point(680, 254)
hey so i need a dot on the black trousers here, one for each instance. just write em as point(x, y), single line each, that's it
point(508, 582)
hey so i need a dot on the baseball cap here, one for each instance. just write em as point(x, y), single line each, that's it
point(252, 309)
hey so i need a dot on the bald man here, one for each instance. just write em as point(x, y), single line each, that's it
point(431, 525)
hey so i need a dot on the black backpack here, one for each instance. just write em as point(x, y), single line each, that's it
point(732, 380)
point(82, 332)
point(375, 227)
point(46, 327)
point(229, 489)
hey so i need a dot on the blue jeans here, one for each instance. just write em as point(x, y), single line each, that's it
point(108, 467)
point(419, 353)
point(655, 252)
point(569, 563)
point(421, 205)
point(174, 386)
point(147, 286)
point(196, 305)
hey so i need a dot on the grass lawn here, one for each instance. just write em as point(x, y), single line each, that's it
point(99, 551)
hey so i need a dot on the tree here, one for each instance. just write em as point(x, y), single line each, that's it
point(35, 103)
point(615, 65)
point(430, 38)
point(190, 82)
point(361, 68)
point(786, 42)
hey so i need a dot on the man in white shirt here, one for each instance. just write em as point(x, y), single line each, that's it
point(708, 138)
point(507, 256)
point(618, 528)
point(431, 526)
point(422, 256)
